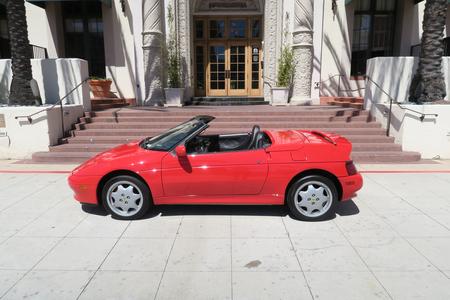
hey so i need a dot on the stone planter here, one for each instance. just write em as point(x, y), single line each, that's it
point(280, 96)
point(174, 97)
point(100, 88)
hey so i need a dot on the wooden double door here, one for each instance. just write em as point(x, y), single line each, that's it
point(228, 56)
point(233, 69)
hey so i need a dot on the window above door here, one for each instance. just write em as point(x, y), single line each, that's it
point(373, 32)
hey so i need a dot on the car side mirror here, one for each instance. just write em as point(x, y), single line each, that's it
point(181, 151)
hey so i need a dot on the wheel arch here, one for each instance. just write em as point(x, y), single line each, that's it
point(320, 172)
point(115, 173)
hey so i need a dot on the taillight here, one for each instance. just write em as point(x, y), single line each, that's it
point(351, 168)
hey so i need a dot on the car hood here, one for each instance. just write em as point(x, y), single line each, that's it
point(119, 151)
point(124, 157)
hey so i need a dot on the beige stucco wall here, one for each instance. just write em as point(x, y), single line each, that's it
point(20, 139)
point(337, 41)
point(45, 30)
point(119, 49)
point(37, 25)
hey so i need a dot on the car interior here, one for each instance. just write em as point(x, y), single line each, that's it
point(200, 144)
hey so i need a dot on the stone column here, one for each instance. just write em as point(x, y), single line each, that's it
point(153, 39)
point(303, 51)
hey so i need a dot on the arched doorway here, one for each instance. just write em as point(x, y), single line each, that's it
point(228, 56)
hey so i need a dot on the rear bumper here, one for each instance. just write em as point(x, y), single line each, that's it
point(84, 188)
point(350, 185)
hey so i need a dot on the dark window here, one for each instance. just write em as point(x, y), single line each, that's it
point(256, 28)
point(5, 51)
point(447, 46)
point(216, 29)
point(83, 27)
point(199, 29)
point(373, 32)
point(238, 28)
point(200, 67)
point(415, 50)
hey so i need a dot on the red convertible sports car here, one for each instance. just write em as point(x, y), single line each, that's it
point(310, 171)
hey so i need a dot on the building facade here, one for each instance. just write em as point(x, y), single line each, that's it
point(227, 48)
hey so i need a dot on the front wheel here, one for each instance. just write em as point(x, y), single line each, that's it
point(126, 197)
point(312, 198)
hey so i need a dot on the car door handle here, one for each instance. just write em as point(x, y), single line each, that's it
point(258, 162)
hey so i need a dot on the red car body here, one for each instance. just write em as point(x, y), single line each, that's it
point(260, 176)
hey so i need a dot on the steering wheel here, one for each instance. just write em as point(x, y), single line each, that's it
point(254, 136)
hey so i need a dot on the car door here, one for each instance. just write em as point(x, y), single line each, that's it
point(215, 174)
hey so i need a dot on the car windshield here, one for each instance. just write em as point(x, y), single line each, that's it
point(169, 139)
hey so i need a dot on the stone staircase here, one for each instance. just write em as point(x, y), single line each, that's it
point(102, 130)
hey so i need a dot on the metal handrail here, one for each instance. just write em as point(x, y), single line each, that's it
point(30, 119)
point(331, 77)
point(391, 101)
point(339, 84)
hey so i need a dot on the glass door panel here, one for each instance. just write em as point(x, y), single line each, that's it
point(256, 72)
point(238, 68)
point(217, 74)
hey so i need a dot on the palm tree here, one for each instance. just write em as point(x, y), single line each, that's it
point(20, 92)
point(428, 84)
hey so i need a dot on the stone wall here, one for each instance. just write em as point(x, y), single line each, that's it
point(19, 139)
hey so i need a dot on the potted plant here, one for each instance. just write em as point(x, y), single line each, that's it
point(174, 91)
point(100, 87)
point(286, 68)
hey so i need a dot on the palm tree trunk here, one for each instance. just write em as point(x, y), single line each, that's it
point(428, 84)
point(20, 92)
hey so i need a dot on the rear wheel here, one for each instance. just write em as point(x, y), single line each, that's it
point(126, 197)
point(313, 198)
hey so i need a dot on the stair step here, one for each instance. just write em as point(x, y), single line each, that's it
point(364, 147)
point(241, 125)
point(83, 147)
point(97, 101)
point(385, 157)
point(189, 113)
point(255, 119)
point(349, 99)
point(91, 147)
point(128, 138)
point(104, 106)
point(228, 103)
point(213, 130)
point(62, 157)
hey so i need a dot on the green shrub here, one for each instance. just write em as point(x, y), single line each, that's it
point(286, 67)
point(173, 58)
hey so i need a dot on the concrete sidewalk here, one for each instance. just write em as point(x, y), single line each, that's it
point(390, 242)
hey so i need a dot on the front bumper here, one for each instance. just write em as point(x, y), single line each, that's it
point(350, 185)
point(84, 188)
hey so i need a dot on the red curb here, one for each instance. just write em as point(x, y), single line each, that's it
point(405, 172)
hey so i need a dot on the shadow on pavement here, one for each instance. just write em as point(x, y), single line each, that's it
point(217, 210)
point(347, 208)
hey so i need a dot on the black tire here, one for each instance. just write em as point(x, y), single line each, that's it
point(139, 186)
point(300, 213)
